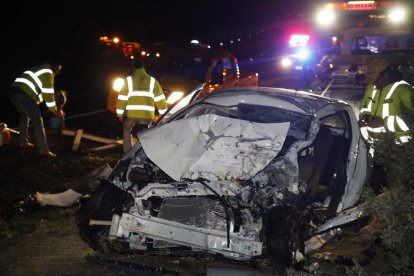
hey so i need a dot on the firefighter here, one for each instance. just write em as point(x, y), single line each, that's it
point(32, 87)
point(137, 100)
point(382, 109)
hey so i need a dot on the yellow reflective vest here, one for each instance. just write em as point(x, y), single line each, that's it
point(139, 96)
point(37, 82)
point(387, 104)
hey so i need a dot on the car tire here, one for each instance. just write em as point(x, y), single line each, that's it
point(283, 237)
point(106, 201)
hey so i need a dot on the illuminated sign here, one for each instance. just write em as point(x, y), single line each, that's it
point(362, 5)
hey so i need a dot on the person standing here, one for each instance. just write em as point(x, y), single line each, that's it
point(26, 93)
point(384, 109)
point(137, 101)
point(386, 96)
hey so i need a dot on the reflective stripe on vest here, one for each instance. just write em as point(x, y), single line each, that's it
point(390, 123)
point(37, 82)
point(392, 119)
point(162, 111)
point(31, 86)
point(386, 106)
point(369, 106)
point(141, 93)
point(376, 129)
point(405, 139)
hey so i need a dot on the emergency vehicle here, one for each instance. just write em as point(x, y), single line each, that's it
point(371, 29)
point(128, 49)
point(179, 68)
point(346, 35)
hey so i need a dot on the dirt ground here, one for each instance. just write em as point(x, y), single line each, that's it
point(46, 241)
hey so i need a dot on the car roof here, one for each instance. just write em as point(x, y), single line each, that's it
point(307, 101)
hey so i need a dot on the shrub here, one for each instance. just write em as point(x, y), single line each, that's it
point(394, 208)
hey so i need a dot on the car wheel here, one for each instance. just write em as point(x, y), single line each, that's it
point(283, 237)
point(106, 201)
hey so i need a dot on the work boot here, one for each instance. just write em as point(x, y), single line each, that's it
point(47, 154)
point(27, 145)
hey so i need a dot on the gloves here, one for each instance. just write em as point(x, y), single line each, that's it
point(371, 121)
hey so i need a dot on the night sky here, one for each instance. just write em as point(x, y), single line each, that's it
point(68, 31)
point(47, 26)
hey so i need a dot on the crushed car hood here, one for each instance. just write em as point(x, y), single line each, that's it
point(213, 147)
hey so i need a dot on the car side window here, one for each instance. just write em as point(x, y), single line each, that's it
point(391, 43)
point(360, 46)
point(335, 121)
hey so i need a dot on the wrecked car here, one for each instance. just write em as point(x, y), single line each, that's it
point(242, 173)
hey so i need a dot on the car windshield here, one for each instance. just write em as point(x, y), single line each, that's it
point(299, 123)
point(180, 104)
point(382, 44)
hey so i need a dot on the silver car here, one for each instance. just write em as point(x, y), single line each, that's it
point(241, 173)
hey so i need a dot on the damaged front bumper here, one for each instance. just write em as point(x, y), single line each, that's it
point(238, 247)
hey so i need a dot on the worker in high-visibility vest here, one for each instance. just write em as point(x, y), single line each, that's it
point(32, 87)
point(137, 101)
point(387, 99)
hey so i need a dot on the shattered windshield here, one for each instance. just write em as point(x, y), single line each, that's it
point(299, 123)
point(213, 147)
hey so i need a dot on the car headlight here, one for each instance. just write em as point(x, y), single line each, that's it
point(174, 96)
point(397, 15)
point(303, 54)
point(117, 84)
point(286, 62)
point(325, 18)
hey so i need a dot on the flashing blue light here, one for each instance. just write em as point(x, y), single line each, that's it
point(302, 54)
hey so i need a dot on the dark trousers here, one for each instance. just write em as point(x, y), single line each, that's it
point(128, 124)
point(29, 111)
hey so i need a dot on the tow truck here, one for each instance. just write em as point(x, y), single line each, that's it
point(346, 36)
point(180, 68)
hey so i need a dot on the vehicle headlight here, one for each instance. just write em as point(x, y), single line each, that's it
point(303, 54)
point(397, 15)
point(286, 62)
point(325, 18)
point(174, 96)
point(117, 84)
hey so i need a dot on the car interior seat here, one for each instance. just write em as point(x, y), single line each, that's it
point(311, 166)
point(325, 169)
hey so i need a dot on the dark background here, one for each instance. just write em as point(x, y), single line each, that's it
point(68, 31)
